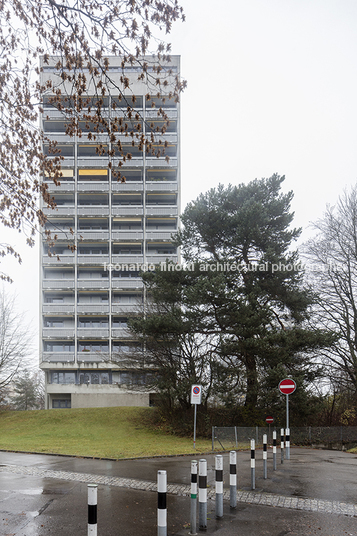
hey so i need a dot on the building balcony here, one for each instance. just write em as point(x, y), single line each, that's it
point(59, 211)
point(168, 210)
point(152, 114)
point(160, 235)
point(91, 210)
point(93, 186)
point(133, 210)
point(93, 332)
point(57, 284)
point(125, 309)
point(86, 234)
point(93, 283)
point(57, 357)
point(65, 186)
point(120, 333)
point(63, 259)
point(93, 259)
point(61, 234)
point(157, 258)
point(127, 235)
point(84, 308)
point(58, 333)
point(127, 259)
point(54, 308)
point(161, 186)
point(92, 357)
point(127, 186)
point(161, 162)
point(121, 283)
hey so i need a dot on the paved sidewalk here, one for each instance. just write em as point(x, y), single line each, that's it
point(313, 493)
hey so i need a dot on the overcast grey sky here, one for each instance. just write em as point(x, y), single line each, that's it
point(272, 87)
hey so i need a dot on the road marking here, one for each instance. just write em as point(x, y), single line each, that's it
point(266, 499)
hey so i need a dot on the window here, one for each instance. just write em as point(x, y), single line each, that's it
point(63, 377)
point(61, 403)
point(95, 378)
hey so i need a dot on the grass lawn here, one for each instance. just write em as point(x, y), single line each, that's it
point(117, 432)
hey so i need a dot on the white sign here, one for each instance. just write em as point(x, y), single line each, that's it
point(196, 394)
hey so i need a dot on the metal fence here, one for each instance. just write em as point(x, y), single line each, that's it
point(238, 437)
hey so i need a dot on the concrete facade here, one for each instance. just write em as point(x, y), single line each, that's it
point(116, 229)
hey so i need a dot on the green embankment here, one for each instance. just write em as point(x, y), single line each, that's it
point(118, 432)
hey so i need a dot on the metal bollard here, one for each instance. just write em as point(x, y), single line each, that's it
point(233, 479)
point(219, 485)
point(287, 443)
point(274, 450)
point(202, 495)
point(265, 456)
point(92, 509)
point(193, 497)
point(161, 503)
point(252, 462)
point(282, 444)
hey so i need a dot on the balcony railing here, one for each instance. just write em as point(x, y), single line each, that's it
point(127, 235)
point(83, 308)
point(133, 210)
point(90, 210)
point(65, 186)
point(59, 283)
point(127, 186)
point(169, 210)
point(120, 282)
point(57, 332)
point(63, 259)
point(160, 186)
point(93, 186)
point(53, 308)
point(93, 332)
point(54, 357)
point(93, 283)
point(160, 235)
point(93, 259)
point(161, 162)
point(155, 259)
point(59, 211)
point(86, 234)
point(91, 357)
point(123, 308)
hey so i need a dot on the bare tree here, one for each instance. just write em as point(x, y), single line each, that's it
point(15, 340)
point(83, 35)
point(332, 257)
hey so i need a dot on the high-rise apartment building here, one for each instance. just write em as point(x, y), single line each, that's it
point(117, 228)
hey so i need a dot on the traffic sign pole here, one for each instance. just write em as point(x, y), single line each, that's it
point(287, 387)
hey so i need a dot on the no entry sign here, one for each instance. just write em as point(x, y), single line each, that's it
point(287, 386)
point(269, 420)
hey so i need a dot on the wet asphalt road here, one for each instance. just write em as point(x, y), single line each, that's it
point(38, 506)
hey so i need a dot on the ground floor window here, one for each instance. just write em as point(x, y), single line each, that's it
point(61, 403)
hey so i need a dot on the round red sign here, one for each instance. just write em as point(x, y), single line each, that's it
point(269, 420)
point(287, 386)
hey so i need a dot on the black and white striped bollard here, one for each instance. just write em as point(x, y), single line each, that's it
point(274, 450)
point(252, 462)
point(282, 444)
point(92, 509)
point(161, 503)
point(233, 479)
point(193, 497)
point(219, 485)
point(202, 495)
point(287, 443)
point(265, 456)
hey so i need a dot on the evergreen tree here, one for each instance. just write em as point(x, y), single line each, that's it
point(242, 289)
